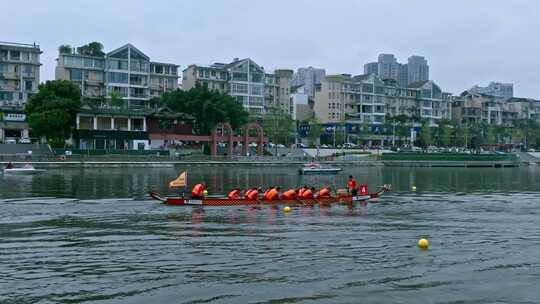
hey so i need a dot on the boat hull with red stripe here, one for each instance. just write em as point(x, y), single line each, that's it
point(343, 199)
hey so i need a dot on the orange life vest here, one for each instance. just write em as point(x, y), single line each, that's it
point(324, 193)
point(289, 194)
point(307, 194)
point(198, 190)
point(252, 194)
point(271, 194)
point(234, 194)
point(300, 191)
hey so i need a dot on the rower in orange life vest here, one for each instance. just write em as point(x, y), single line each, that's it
point(272, 194)
point(301, 190)
point(324, 193)
point(308, 193)
point(352, 187)
point(198, 191)
point(234, 194)
point(289, 194)
point(252, 194)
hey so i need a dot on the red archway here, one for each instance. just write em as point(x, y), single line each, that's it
point(215, 138)
point(260, 138)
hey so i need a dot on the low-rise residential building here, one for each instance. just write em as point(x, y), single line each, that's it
point(473, 108)
point(277, 91)
point(125, 72)
point(245, 81)
point(367, 99)
point(19, 78)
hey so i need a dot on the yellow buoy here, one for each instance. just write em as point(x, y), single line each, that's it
point(423, 244)
point(413, 188)
point(286, 209)
point(205, 192)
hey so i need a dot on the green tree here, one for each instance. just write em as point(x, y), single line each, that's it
point(51, 112)
point(207, 107)
point(426, 137)
point(91, 49)
point(64, 49)
point(446, 135)
point(278, 125)
point(116, 99)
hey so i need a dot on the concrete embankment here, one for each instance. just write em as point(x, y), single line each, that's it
point(165, 164)
point(293, 164)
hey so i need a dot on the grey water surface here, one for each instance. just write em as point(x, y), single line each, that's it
point(93, 236)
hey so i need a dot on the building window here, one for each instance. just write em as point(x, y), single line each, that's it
point(15, 55)
point(121, 123)
point(239, 88)
point(86, 123)
point(104, 123)
point(28, 85)
point(75, 74)
point(237, 76)
point(115, 77)
point(137, 124)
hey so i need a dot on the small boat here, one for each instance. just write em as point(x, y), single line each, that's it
point(223, 201)
point(26, 170)
point(314, 168)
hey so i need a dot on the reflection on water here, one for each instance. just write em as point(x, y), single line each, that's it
point(77, 236)
point(136, 182)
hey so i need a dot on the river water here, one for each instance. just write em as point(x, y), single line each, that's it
point(92, 236)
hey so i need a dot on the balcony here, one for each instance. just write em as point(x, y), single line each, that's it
point(9, 75)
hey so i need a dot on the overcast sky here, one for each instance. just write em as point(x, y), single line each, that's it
point(466, 42)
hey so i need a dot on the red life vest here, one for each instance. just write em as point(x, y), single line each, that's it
point(198, 190)
point(289, 194)
point(252, 194)
point(271, 194)
point(324, 193)
point(234, 194)
point(307, 194)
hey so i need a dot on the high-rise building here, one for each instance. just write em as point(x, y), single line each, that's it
point(308, 78)
point(417, 69)
point(371, 68)
point(19, 78)
point(494, 88)
point(244, 80)
point(19, 72)
point(387, 67)
point(125, 72)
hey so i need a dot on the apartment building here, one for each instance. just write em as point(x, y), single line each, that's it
point(278, 91)
point(19, 78)
point(244, 80)
point(472, 108)
point(368, 99)
point(19, 72)
point(125, 72)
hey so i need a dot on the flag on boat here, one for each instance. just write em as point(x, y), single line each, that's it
point(180, 181)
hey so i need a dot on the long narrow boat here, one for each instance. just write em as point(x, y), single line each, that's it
point(347, 199)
